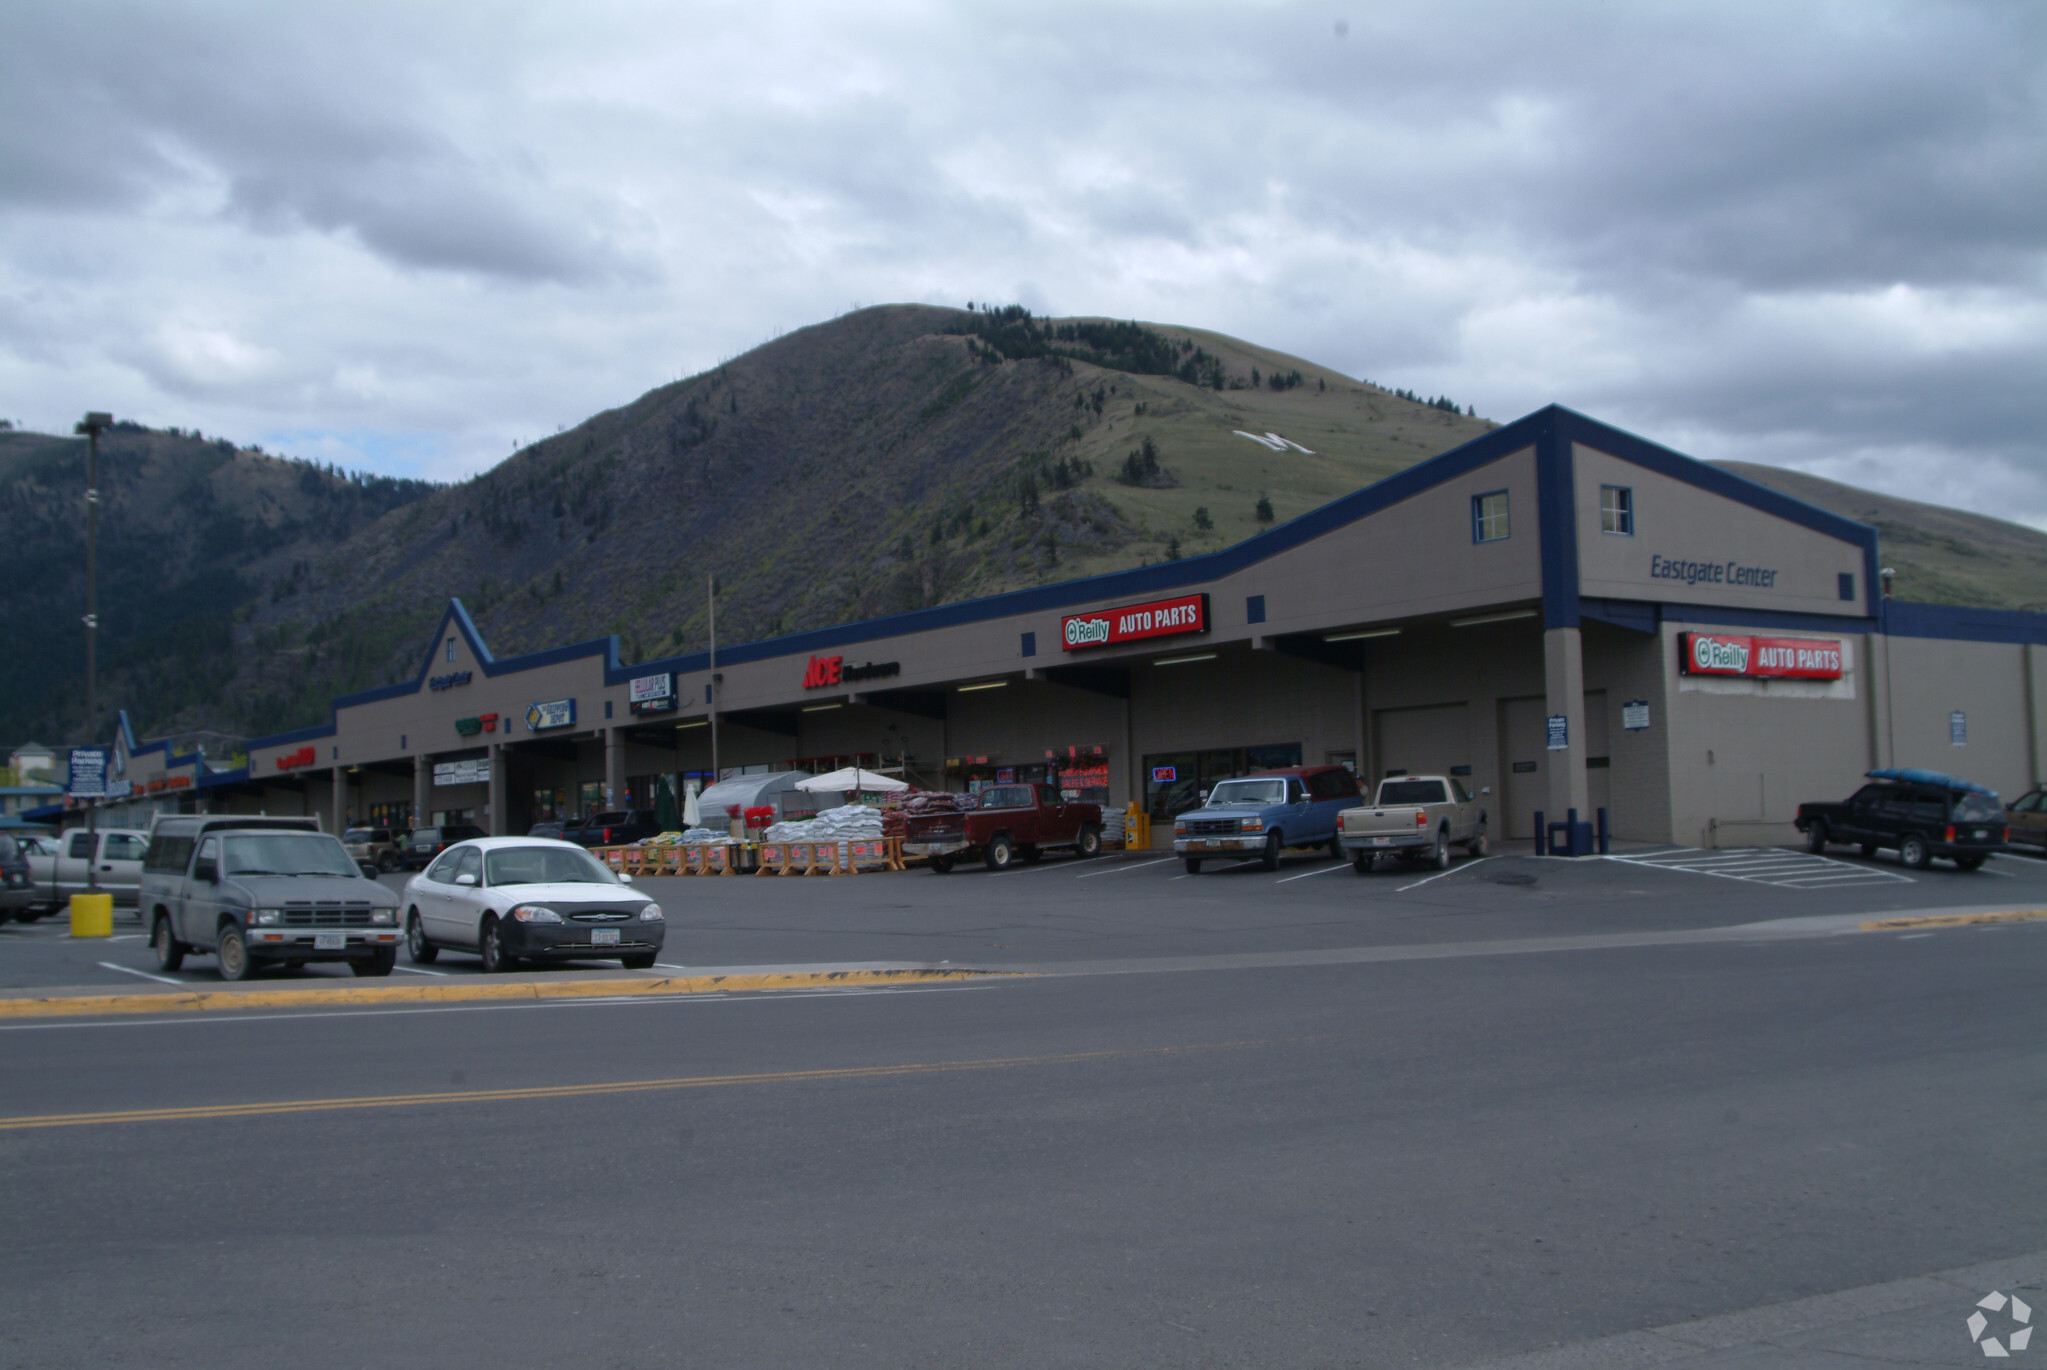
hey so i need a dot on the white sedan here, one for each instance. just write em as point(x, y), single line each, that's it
point(511, 899)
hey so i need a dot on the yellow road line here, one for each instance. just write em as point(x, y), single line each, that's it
point(475, 1096)
point(91, 1005)
point(1951, 920)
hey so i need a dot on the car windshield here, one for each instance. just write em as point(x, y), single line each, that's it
point(356, 835)
point(1007, 797)
point(286, 853)
point(1411, 792)
point(545, 866)
point(1978, 808)
point(1248, 792)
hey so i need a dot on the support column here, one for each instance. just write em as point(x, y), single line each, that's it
point(614, 767)
point(422, 791)
point(496, 823)
point(1563, 663)
point(1876, 653)
point(1358, 725)
point(340, 799)
point(2036, 709)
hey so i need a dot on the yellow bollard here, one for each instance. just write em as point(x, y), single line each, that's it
point(92, 915)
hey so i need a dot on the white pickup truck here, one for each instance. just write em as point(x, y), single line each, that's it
point(1419, 817)
point(112, 858)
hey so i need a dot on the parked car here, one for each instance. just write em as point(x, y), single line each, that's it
point(2026, 819)
point(39, 850)
point(1012, 821)
point(1419, 817)
point(380, 847)
point(255, 891)
point(1263, 814)
point(17, 886)
point(422, 845)
point(550, 829)
point(511, 899)
point(113, 855)
point(612, 828)
point(1919, 814)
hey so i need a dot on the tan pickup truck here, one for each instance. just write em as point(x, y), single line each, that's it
point(1419, 817)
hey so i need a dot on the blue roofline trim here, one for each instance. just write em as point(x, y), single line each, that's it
point(171, 760)
point(1556, 503)
point(1955, 622)
point(233, 777)
point(1715, 616)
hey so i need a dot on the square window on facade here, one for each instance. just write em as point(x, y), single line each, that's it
point(1489, 517)
point(1617, 510)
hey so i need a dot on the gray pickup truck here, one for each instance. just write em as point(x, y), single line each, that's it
point(257, 891)
point(1417, 817)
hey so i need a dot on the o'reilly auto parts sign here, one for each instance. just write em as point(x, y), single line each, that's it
point(1782, 658)
point(1135, 622)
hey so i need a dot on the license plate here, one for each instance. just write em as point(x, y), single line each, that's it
point(1982, 832)
point(1382, 841)
point(604, 937)
point(329, 941)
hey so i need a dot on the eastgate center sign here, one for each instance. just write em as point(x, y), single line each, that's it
point(1713, 573)
point(1780, 658)
point(1133, 622)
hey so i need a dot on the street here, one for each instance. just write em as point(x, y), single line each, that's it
point(1301, 1118)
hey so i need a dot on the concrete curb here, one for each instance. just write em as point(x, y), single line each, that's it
point(85, 1005)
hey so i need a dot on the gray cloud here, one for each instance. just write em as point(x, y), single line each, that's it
point(1814, 234)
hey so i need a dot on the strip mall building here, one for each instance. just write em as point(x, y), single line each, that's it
point(1561, 613)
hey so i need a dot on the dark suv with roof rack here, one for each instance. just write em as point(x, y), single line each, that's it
point(1918, 814)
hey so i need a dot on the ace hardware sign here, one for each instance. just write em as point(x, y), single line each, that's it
point(1135, 622)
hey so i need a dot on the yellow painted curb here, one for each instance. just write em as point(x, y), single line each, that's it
point(92, 1005)
point(1952, 920)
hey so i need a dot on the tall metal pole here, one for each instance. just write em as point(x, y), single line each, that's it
point(91, 425)
point(712, 582)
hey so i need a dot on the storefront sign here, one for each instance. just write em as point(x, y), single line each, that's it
point(652, 694)
point(1782, 658)
point(468, 727)
point(1165, 775)
point(1559, 732)
point(1635, 715)
point(1713, 573)
point(1134, 622)
point(827, 671)
point(88, 773)
point(449, 681)
point(1958, 728)
point(552, 713)
point(291, 761)
point(475, 771)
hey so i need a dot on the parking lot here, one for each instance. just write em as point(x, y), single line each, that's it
point(1146, 905)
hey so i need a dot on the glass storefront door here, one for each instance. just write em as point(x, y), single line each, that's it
point(1175, 781)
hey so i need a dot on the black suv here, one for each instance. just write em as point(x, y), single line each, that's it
point(613, 828)
point(17, 886)
point(422, 845)
point(1918, 814)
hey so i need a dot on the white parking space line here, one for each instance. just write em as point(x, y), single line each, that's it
point(1324, 870)
point(1162, 861)
point(1440, 874)
point(663, 965)
point(420, 970)
point(130, 970)
point(1766, 866)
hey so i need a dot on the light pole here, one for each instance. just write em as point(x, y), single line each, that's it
point(92, 425)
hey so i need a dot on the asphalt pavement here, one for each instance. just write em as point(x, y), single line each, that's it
point(1345, 1121)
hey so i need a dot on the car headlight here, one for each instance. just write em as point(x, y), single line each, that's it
point(383, 915)
point(1252, 824)
point(535, 913)
point(1179, 828)
point(651, 914)
point(267, 917)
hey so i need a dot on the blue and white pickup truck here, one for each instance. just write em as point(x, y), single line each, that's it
point(1260, 815)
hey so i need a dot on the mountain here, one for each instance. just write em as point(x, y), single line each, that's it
point(889, 459)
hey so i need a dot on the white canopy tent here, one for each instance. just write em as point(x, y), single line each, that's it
point(851, 779)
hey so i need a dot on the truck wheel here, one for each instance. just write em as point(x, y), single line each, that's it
point(1968, 863)
point(496, 959)
point(417, 947)
point(378, 962)
point(1031, 855)
point(941, 864)
point(1193, 865)
point(1001, 854)
point(639, 960)
point(387, 862)
point(1336, 847)
point(1270, 857)
point(1440, 856)
point(1913, 851)
point(232, 954)
point(1816, 837)
point(1362, 861)
point(1480, 844)
point(1868, 849)
point(1090, 843)
point(170, 953)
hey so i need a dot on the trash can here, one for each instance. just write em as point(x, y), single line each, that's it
point(92, 915)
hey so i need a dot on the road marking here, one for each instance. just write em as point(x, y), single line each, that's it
point(1162, 861)
point(279, 1107)
point(663, 965)
point(130, 970)
point(1952, 920)
point(1914, 936)
point(1440, 874)
point(1766, 866)
point(418, 970)
point(1321, 871)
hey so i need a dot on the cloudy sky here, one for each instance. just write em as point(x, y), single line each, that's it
point(406, 237)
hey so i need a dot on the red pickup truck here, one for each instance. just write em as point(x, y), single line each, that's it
point(1011, 821)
